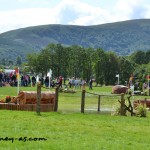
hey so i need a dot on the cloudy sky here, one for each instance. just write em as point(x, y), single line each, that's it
point(16, 14)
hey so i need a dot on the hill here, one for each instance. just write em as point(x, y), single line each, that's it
point(123, 38)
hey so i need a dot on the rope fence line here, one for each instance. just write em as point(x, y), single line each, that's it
point(99, 99)
point(58, 88)
point(83, 92)
point(103, 94)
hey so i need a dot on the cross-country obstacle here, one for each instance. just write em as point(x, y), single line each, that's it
point(31, 100)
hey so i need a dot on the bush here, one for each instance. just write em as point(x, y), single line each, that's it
point(116, 109)
point(141, 110)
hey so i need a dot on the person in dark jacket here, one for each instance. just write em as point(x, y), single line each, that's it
point(90, 84)
point(1, 77)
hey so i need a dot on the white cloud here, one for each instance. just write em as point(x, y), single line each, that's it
point(85, 13)
point(120, 11)
point(128, 9)
point(36, 2)
point(146, 13)
point(26, 17)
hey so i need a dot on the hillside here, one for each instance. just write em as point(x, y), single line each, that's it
point(121, 37)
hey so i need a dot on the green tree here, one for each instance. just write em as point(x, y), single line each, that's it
point(40, 63)
point(141, 71)
point(18, 61)
point(138, 57)
point(44, 62)
point(33, 62)
point(10, 62)
point(126, 69)
point(87, 64)
point(147, 56)
point(58, 59)
point(3, 62)
point(75, 58)
point(99, 65)
point(111, 68)
point(76, 61)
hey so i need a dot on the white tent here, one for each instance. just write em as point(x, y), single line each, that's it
point(8, 71)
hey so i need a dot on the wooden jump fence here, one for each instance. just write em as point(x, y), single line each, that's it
point(38, 107)
point(99, 100)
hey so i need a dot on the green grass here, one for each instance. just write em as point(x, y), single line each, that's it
point(71, 102)
point(12, 91)
point(73, 130)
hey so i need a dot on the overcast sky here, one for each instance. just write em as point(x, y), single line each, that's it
point(16, 14)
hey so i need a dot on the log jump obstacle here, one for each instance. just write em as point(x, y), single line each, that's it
point(33, 101)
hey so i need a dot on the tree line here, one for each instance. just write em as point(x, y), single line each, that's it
point(84, 63)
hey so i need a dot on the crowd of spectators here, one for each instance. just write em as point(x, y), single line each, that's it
point(8, 79)
point(11, 79)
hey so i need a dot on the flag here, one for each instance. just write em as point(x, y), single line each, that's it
point(147, 77)
point(117, 75)
point(17, 75)
point(17, 72)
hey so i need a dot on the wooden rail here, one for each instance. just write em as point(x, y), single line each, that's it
point(99, 99)
point(56, 100)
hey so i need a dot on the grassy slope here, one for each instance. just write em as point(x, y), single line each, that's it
point(122, 37)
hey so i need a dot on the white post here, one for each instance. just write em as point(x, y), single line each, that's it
point(18, 81)
point(118, 78)
point(37, 78)
point(50, 74)
point(49, 79)
point(148, 85)
point(31, 80)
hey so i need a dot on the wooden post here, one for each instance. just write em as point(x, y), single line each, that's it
point(38, 99)
point(122, 107)
point(56, 99)
point(99, 97)
point(82, 101)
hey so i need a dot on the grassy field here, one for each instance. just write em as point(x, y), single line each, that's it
point(68, 129)
point(72, 101)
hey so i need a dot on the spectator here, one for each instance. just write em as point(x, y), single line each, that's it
point(46, 81)
point(60, 81)
point(33, 80)
point(1, 76)
point(90, 84)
